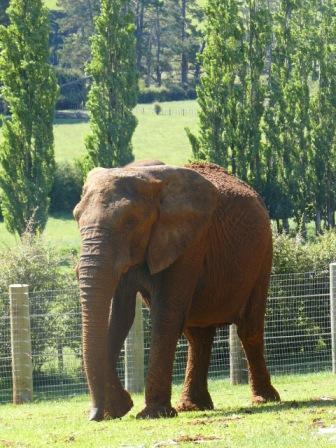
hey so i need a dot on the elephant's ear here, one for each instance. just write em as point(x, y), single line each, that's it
point(186, 206)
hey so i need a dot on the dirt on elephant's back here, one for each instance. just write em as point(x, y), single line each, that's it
point(226, 183)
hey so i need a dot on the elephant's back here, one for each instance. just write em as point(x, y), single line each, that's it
point(239, 248)
point(227, 184)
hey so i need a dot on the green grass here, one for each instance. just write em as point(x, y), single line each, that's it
point(61, 231)
point(156, 137)
point(51, 4)
point(309, 403)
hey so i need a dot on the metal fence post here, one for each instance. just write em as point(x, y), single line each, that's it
point(238, 367)
point(333, 314)
point(134, 353)
point(22, 366)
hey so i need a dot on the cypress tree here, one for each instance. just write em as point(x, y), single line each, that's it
point(114, 89)
point(30, 90)
point(219, 93)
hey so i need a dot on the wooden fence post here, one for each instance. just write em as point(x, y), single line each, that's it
point(22, 366)
point(332, 268)
point(238, 367)
point(134, 353)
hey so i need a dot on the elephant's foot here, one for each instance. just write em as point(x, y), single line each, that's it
point(118, 405)
point(264, 395)
point(157, 411)
point(188, 403)
point(96, 414)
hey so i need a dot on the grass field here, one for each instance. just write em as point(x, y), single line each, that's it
point(61, 231)
point(304, 419)
point(156, 137)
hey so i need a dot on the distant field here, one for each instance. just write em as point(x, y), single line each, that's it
point(61, 231)
point(52, 4)
point(156, 137)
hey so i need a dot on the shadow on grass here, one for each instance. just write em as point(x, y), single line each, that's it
point(267, 408)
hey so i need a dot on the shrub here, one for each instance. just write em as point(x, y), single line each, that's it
point(157, 108)
point(73, 89)
point(67, 187)
point(37, 264)
point(299, 255)
point(166, 93)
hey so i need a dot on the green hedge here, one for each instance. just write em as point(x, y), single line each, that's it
point(67, 187)
point(171, 93)
point(73, 89)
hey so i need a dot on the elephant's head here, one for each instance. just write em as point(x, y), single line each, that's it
point(139, 214)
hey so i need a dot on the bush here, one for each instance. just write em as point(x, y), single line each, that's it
point(73, 90)
point(297, 255)
point(36, 263)
point(67, 187)
point(157, 108)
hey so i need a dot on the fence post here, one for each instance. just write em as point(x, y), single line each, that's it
point(333, 314)
point(238, 367)
point(22, 366)
point(134, 353)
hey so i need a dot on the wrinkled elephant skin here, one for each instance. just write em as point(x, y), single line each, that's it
point(196, 243)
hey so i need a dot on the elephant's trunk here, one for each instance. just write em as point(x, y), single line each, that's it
point(97, 284)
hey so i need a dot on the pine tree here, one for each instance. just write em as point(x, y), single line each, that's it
point(113, 93)
point(30, 91)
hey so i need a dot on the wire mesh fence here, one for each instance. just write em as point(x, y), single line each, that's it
point(297, 336)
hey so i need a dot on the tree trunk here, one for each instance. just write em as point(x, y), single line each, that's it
point(184, 55)
point(285, 225)
point(140, 8)
point(158, 49)
point(318, 230)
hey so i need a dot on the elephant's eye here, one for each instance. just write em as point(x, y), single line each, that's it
point(129, 223)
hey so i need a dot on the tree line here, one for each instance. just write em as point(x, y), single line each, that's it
point(267, 101)
point(168, 37)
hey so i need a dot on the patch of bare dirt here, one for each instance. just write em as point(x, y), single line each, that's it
point(197, 439)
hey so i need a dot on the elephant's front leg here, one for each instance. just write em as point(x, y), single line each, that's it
point(117, 400)
point(169, 308)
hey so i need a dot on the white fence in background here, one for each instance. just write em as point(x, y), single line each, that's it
point(300, 337)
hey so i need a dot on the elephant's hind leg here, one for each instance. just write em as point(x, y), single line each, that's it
point(195, 395)
point(251, 333)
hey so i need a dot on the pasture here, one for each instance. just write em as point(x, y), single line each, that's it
point(304, 419)
point(156, 136)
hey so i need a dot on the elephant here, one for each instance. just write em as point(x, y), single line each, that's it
point(196, 242)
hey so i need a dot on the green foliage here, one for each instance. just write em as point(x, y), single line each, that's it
point(165, 93)
point(73, 89)
point(231, 94)
point(76, 26)
point(297, 255)
point(113, 93)
point(37, 264)
point(30, 90)
point(67, 187)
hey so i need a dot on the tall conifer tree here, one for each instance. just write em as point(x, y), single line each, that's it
point(114, 89)
point(30, 91)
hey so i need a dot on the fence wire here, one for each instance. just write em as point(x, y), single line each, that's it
point(297, 337)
